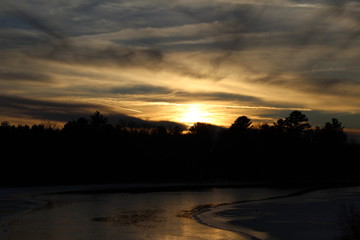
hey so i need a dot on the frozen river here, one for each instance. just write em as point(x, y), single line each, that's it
point(59, 214)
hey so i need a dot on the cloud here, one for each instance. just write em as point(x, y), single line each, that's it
point(17, 71)
point(31, 20)
point(22, 107)
point(229, 28)
point(19, 75)
point(134, 122)
point(107, 56)
point(40, 110)
point(141, 90)
point(262, 53)
point(54, 45)
point(165, 94)
point(216, 96)
point(17, 38)
point(229, 22)
point(36, 109)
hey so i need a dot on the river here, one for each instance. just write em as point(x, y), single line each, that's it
point(51, 214)
point(118, 214)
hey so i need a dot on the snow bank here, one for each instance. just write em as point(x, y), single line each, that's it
point(310, 216)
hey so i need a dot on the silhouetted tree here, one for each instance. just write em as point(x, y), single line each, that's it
point(204, 130)
point(280, 125)
point(6, 129)
point(287, 150)
point(98, 121)
point(240, 134)
point(176, 131)
point(334, 126)
point(333, 133)
point(159, 131)
point(79, 126)
point(5, 124)
point(297, 122)
point(38, 128)
point(241, 124)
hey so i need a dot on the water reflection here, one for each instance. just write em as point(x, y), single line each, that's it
point(127, 216)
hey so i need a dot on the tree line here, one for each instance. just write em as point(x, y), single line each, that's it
point(91, 150)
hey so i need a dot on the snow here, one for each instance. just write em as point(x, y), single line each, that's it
point(314, 215)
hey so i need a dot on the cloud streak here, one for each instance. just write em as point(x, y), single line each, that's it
point(44, 109)
point(274, 54)
point(159, 94)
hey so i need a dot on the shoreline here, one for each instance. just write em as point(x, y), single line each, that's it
point(192, 186)
point(128, 215)
point(33, 195)
point(199, 209)
point(257, 219)
point(196, 211)
point(180, 185)
point(28, 199)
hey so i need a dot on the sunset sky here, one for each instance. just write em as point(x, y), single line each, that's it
point(180, 60)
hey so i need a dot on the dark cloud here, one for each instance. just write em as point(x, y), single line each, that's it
point(318, 29)
point(40, 110)
point(88, 6)
point(21, 75)
point(39, 24)
point(15, 39)
point(319, 46)
point(142, 90)
point(337, 3)
point(29, 29)
point(235, 28)
point(134, 122)
point(331, 86)
point(159, 93)
point(22, 107)
point(231, 23)
point(216, 96)
point(53, 45)
point(108, 16)
point(242, 27)
point(332, 83)
point(307, 46)
point(111, 55)
point(21, 30)
point(17, 71)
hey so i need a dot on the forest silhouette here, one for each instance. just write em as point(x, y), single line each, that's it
point(93, 151)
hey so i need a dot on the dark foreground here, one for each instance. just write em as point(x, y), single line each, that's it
point(176, 212)
point(93, 151)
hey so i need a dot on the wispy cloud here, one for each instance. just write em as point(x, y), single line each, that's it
point(43, 109)
point(270, 55)
point(159, 94)
point(23, 76)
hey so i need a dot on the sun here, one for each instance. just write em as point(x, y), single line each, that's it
point(193, 113)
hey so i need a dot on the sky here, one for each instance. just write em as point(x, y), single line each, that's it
point(181, 61)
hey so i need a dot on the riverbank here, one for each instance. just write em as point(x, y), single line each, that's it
point(252, 212)
point(313, 215)
point(87, 213)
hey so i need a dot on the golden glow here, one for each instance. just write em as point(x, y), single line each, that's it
point(193, 113)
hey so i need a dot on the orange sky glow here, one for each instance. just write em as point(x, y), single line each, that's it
point(180, 61)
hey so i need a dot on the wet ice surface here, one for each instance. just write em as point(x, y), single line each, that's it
point(126, 216)
point(312, 216)
point(45, 214)
point(15, 202)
